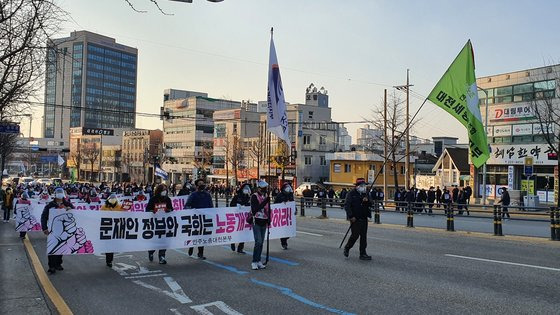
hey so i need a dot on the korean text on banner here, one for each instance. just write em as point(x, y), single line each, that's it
point(92, 232)
point(456, 93)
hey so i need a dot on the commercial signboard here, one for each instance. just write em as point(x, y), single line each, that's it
point(512, 112)
point(98, 131)
point(522, 129)
point(502, 131)
point(515, 154)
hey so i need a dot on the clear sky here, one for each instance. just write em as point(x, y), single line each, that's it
point(354, 49)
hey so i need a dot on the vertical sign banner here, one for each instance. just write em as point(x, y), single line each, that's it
point(75, 232)
point(456, 92)
point(277, 118)
point(510, 177)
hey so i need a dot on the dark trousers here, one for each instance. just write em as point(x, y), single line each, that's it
point(161, 252)
point(359, 230)
point(284, 241)
point(6, 213)
point(430, 206)
point(109, 257)
point(505, 212)
point(54, 261)
point(200, 251)
point(240, 247)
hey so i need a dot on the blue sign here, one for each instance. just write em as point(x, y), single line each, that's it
point(9, 128)
point(49, 159)
point(528, 170)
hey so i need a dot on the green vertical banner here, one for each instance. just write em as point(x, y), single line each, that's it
point(456, 93)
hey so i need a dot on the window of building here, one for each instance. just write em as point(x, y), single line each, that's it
point(522, 139)
point(310, 115)
point(402, 170)
point(347, 168)
point(322, 140)
point(323, 161)
point(372, 167)
point(307, 179)
point(308, 159)
point(306, 139)
point(336, 168)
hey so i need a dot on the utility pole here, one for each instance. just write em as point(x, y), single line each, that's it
point(407, 145)
point(385, 144)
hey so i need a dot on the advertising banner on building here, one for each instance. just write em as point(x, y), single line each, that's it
point(512, 112)
point(531, 186)
point(515, 154)
point(502, 131)
point(92, 232)
point(511, 177)
point(522, 129)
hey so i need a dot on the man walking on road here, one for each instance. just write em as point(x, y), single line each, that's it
point(505, 202)
point(358, 211)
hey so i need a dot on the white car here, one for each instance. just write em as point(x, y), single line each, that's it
point(313, 186)
point(26, 180)
point(44, 181)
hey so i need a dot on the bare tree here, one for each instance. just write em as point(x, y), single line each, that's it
point(255, 150)
point(90, 153)
point(26, 26)
point(235, 154)
point(281, 158)
point(546, 107)
point(396, 127)
point(8, 144)
point(76, 159)
point(204, 158)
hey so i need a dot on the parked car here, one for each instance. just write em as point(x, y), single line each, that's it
point(313, 186)
point(44, 181)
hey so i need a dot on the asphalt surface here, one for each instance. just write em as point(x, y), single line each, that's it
point(412, 271)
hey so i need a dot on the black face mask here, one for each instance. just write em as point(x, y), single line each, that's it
point(201, 187)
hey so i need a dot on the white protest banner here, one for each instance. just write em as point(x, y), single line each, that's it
point(91, 232)
point(25, 219)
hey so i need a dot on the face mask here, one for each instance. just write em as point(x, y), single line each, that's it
point(112, 201)
point(59, 196)
point(246, 191)
point(201, 187)
point(288, 189)
point(164, 193)
point(361, 189)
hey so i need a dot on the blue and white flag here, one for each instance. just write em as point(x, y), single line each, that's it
point(277, 119)
point(160, 172)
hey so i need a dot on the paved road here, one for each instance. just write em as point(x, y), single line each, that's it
point(412, 272)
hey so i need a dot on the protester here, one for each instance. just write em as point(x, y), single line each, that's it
point(505, 200)
point(358, 211)
point(438, 196)
point(286, 195)
point(23, 200)
point(431, 199)
point(8, 203)
point(111, 204)
point(200, 199)
point(159, 202)
point(140, 196)
point(260, 210)
point(241, 198)
point(59, 202)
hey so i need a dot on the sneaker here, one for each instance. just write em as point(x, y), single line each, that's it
point(191, 250)
point(346, 252)
point(110, 264)
point(162, 261)
point(242, 252)
point(51, 271)
point(284, 246)
point(59, 268)
point(261, 265)
point(151, 256)
point(201, 257)
point(233, 247)
point(365, 257)
point(254, 266)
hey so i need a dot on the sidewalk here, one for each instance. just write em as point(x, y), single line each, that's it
point(20, 292)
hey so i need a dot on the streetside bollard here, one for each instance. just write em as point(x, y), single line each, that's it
point(376, 217)
point(553, 224)
point(495, 220)
point(324, 208)
point(450, 220)
point(500, 222)
point(410, 217)
point(557, 219)
point(302, 206)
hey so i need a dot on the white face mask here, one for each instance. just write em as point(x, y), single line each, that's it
point(164, 193)
point(361, 189)
point(288, 189)
point(112, 201)
point(59, 196)
point(246, 191)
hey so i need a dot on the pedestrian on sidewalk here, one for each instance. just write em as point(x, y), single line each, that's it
point(438, 197)
point(358, 211)
point(111, 204)
point(241, 198)
point(260, 210)
point(59, 202)
point(159, 202)
point(24, 199)
point(431, 199)
point(286, 195)
point(199, 199)
point(505, 200)
point(8, 203)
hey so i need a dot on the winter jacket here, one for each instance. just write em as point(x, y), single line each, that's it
point(357, 205)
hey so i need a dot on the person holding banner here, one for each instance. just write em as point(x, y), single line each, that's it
point(358, 211)
point(59, 202)
point(159, 202)
point(200, 199)
point(111, 204)
point(93, 197)
point(241, 198)
point(260, 209)
point(24, 199)
point(286, 195)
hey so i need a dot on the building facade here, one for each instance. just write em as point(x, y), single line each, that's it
point(90, 82)
point(515, 133)
point(140, 148)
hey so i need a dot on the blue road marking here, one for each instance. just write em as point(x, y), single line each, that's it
point(297, 297)
point(226, 267)
point(279, 260)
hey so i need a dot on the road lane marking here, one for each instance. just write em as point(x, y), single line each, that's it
point(45, 282)
point(201, 309)
point(312, 234)
point(147, 276)
point(297, 297)
point(503, 262)
point(177, 292)
point(215, 264)
point(280, 260)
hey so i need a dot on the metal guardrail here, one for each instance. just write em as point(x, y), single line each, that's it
point(495, 212)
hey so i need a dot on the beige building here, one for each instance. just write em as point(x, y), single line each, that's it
point(140, 147)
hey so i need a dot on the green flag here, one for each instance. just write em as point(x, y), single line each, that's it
point(456, 93)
